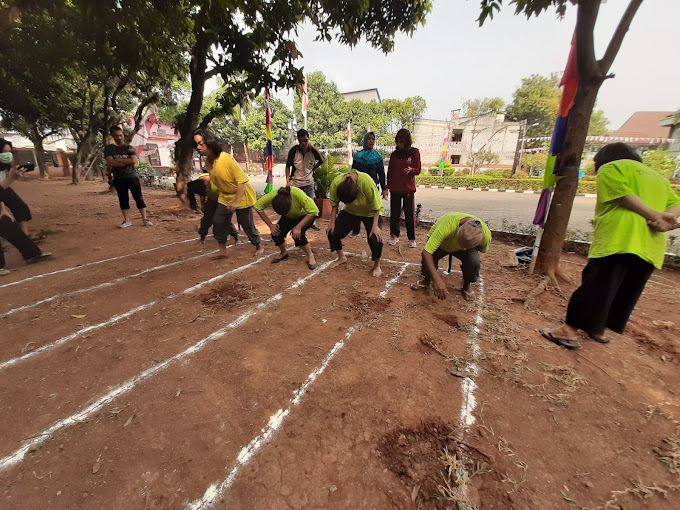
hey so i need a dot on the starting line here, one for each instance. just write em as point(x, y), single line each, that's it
point(75, 268)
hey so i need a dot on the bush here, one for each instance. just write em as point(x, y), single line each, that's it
point(589, 178)
point(144, 168)
point(477, 181)
point(498, 173)
point(520, 174)
point(324, 175)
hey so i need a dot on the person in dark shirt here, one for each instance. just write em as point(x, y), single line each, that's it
point(122, 158)
point(303, 159)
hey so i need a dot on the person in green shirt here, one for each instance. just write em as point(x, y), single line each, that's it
point(635, 208)
point(459, 234)
point(363, 204)
point(298, 213)
point(209, 195)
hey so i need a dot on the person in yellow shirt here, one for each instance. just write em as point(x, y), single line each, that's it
point(298, 213)
point(459, 234)
point(236, 193)
point(363, 204)
point(209, 194)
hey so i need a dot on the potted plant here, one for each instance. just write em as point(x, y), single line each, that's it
point(323, 177)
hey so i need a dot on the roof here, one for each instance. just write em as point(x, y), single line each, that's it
point(644, 124)
point(363, 95)
point(671, 120)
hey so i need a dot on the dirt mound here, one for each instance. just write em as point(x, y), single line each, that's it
point(449, 319)
point(228, 294)
point(364, 306)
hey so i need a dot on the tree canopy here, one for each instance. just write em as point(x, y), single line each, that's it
point(481, 107)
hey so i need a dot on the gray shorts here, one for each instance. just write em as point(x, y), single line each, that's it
point(308, 190)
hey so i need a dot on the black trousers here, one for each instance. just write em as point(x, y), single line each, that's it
point(223, 227)
point(14, 235)
point(344, 224)
point(408, 201)
point(286, 225)
point(209, 208)
point(15, 204)
point(470, 263)
point(610, 289)
point(131, 184)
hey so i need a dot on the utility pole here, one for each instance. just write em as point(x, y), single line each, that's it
point(520, 146)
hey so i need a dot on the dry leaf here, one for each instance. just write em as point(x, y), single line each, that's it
point(664, 324)
point(96, 467)
point(129, 420)
point(414, 493)
point(79, 316)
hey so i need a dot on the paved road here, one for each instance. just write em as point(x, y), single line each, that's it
point(516, 208)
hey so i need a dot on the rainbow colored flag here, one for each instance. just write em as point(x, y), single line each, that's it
point(269, 149)
point(441, 161)
point(569, 83)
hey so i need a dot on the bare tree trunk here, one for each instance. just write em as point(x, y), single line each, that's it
point(245, 149)
point(37, 140)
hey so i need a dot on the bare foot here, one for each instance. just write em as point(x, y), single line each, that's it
point(201, 241)
point(259, 252)
point(311, 261)
point(222, 254)
point(340, 260)
point(377, 272)
point(468, 295)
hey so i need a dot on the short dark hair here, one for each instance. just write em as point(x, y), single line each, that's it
point(348, 190)
point(4, 142)
point(282, 201)
point(302, 132)
point(114, 128)
point(614, 152)
point(210, 141)
point(194, 188)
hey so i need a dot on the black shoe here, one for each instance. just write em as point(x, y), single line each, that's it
point(314, 227)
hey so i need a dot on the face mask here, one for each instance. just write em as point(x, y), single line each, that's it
point(6, 157)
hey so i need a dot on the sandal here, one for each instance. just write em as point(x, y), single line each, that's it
point(418, 285)
point(4, 272)
point(562, 342)
point(311, 266)
point(38, 258)
point(281, 259)
point(468, 295)
point(597, 339)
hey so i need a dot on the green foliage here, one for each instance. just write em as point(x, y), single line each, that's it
point(661, 161)
point(480, 181)
point(589, 168)
point(480, 107)
point(599, 125)
point(535, 162)
point(537, 101)
point(324, 175)
point(520, 174)
point(498, 173)
point(144, 168)
point(527, 7)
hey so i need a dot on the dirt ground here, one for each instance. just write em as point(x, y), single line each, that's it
point(162, 379)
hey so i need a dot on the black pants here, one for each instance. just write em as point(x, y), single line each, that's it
point(610, 289)
point(18, 207)
point(223, 227)
point(408, 200)
point(286, 225)
point(344, 224)
point(209, 208)
point(470, 263)
point(125, 184)
point(14, 235)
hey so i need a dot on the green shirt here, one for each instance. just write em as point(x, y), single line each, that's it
point(211, 192)
point(367, 201)
point(443, 234)
point(619, 230)
point(301, 204)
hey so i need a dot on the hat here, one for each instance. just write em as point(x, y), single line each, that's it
point(470, 234)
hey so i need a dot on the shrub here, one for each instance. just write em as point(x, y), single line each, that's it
point(457, 181)
point(498, 173)
point(324, 175)
point(144, 168)
point(520, 174)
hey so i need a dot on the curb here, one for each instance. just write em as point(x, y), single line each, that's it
point(492, 190)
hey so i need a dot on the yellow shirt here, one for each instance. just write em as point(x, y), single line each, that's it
point(226, 175)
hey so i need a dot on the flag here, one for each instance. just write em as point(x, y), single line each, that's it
point(569, 83)
point(269, 149)
point(441, 161)
point(305, 101)
point(349, 144)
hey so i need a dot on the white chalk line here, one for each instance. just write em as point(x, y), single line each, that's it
point(120, 317)
point(469, 386)
point(216, 490)
point(105, 284)
point(116, 392)
point(75, 268)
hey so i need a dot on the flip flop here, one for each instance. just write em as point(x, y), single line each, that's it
point(468, 296)
point(418, 285)
point(38, 258)
point(597, 339)
point(562, 342)
point(281, 259)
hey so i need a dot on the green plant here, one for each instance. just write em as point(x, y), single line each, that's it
point(479, 181)
point(144, 168)
point(520, 174)
point(324, 175)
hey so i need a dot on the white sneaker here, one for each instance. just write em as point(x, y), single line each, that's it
point(412, 243)
point(3, 271)
point(148, 223)
point(393, 240)
point(126, 224)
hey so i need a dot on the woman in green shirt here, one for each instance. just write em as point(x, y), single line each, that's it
point(363, 204)
point(298, 213)
point(635, 208)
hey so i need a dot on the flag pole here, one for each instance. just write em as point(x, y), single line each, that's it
point(269, 149)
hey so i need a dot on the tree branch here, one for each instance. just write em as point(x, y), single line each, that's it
point(139, 114)
point(122, 83)
point(207, 119)
point(588, 68)
point(615, 43)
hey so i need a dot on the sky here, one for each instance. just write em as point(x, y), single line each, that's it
point(451, 58)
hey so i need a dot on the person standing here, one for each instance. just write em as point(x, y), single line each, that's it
point(236, 193)
point(303, 159)
point(9, 197)
point(362, 205)
point(401, 182)
point(122, 158)
point(209, 199)
point(297, 211)
point(635, 208)
point(371, 162)
point(459, 234)
point(11, 231)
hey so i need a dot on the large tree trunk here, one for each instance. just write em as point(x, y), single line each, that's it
point(567, 166)
point(37, 140)
point(85, 156)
